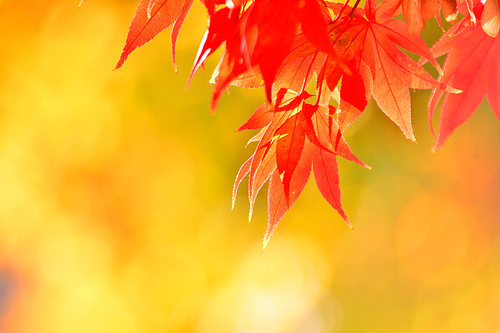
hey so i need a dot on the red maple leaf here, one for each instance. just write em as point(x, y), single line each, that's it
point(296, 137)
point(367, 59)
point(151, 18)
point(472, 66)
point(377, 66)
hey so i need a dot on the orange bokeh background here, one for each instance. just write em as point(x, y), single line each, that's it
point(115, 191)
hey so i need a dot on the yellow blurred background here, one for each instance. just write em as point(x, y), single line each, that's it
point(115, 191)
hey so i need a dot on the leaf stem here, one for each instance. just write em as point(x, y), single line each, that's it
point(351, 14)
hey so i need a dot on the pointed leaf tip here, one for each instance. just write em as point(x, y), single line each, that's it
point(436, 147)
point(346, 220)
point(267, 238)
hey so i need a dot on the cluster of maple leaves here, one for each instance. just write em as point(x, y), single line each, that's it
point(353, 54)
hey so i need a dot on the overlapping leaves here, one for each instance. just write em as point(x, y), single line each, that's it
point(472, 65)
point(353, 54)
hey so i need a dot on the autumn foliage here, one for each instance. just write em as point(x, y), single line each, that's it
point(351, 54)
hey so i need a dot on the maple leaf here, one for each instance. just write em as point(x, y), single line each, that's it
point(151, 18)
point(472, 66)
point(378, 67)
point(296, 137)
